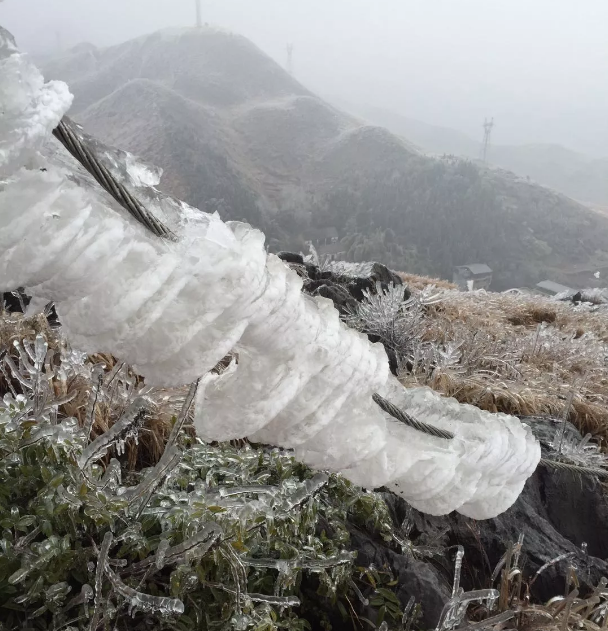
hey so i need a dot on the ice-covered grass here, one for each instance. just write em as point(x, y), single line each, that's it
point(514, 353)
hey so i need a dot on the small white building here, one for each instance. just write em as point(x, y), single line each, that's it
point(551, 288)
point(472, 277)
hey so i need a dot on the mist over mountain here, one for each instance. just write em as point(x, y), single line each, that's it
point(575, 174)
point(236, 133)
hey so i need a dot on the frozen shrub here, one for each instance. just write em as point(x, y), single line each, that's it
point(210, 535)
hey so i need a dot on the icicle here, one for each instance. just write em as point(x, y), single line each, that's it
point(457, 570)
point(281, 601)
point(139, 601)
point(15, 372)
point(111, 479)
point(257, 489)
point(128, 424)
point(308, 489)
point(407, 618)
point(139, 496)
point(183, 414)
point(170, 459)
point(238, 573)
point(102, 559)
point(455, 609)
point(548, 564)
point(316, 565)
point(161, 551)
point(364, 601)
point(41, 348)
point(517, 550)
point(96, 380)
point(194, 547)
point(86, 594)
point(29, 348)
point(559, 438)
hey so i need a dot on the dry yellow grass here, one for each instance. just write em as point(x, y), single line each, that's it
point(420, 282)
point(524, 355)
point(150, 446)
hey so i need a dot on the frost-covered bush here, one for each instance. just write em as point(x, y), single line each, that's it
point(212, 536)
point(400, 325)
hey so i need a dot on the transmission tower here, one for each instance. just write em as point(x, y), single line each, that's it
point(488, 125)
point(290, 58)
point(199, 21)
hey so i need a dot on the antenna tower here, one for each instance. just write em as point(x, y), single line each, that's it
point(290, 58)
point(199, 21)
point(488, 125)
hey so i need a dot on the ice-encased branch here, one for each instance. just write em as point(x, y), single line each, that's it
point(173, 310)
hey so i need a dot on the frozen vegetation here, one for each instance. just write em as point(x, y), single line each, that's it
point(210, 536)
point(207, 534)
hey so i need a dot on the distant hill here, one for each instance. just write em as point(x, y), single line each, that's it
point(579, 176)
point(235, 133)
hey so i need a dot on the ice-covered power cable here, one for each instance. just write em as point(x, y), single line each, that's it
point(173, 309)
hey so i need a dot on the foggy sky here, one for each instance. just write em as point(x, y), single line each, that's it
point(538, 66)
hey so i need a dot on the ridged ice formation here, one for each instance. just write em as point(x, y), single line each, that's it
point(173, 310)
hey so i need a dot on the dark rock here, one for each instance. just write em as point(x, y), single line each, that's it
point(393, 364)
point(428, 587)
point(576, 506)
point(291, 257)
point(16, 301)
point(543, 541)
point(385, 275)
point(314, 273)
point(357, 286)
point(312, 285)
point(337, 294)
point(546, 428)
point(557, 512)
point(415, 578)
point(554, 513)
point(390, 353)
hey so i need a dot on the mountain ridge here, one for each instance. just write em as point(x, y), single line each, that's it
point(234, 132)
point(577, 175)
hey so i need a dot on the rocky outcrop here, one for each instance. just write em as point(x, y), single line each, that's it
point(557, 513)
point(344, 284)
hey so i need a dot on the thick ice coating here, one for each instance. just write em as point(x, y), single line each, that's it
point(174, 309)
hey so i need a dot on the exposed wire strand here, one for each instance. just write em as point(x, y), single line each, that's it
point(405, 418)
point(107, 181)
